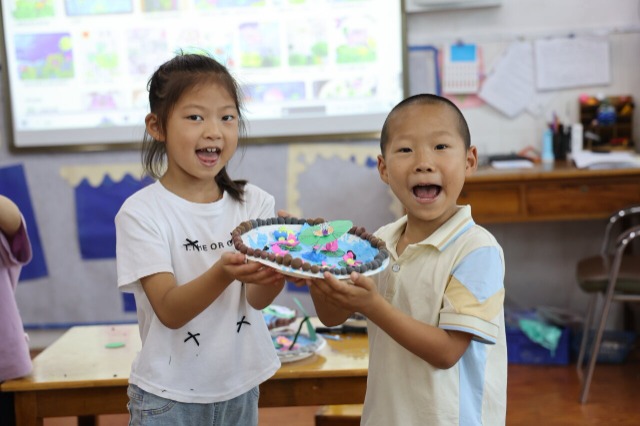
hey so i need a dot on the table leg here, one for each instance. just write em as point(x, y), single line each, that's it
point(26, 410)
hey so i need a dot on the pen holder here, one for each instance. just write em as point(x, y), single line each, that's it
point(561, 144)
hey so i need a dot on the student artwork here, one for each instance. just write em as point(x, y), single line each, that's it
point(293, 347)
point(306, 248)
point(289, 350)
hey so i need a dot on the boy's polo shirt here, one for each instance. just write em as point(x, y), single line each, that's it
point(454, 279)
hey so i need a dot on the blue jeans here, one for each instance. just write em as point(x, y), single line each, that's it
point(147, 409)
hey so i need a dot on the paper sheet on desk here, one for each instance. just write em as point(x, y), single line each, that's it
point(609, 160)
point(512, 164)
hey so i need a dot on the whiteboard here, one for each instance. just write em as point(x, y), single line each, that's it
point(76, 71)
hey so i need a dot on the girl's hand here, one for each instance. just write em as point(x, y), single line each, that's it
point(236, 266)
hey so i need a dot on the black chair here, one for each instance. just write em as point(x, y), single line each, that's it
point(614, 273)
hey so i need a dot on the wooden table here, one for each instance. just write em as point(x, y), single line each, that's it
point(78, 375)
point(557, 192)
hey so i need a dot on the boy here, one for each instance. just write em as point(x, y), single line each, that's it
point(435, 315)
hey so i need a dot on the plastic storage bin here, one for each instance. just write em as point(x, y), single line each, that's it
point(614, 349)
point(522, 350)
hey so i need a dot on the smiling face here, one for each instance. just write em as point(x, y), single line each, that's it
point(425, 162)
point(201, 135)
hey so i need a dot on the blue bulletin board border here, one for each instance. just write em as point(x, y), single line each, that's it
point(13, 184)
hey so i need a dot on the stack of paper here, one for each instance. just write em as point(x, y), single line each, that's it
point(511, 164)
point(605, 160)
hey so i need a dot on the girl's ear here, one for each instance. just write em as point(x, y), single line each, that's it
point(153, 127)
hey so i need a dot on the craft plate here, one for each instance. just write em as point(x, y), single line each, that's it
point(298, 273)
point(263, 236)
point(306, 347)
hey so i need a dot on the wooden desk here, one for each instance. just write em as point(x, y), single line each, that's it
point(561, 192)
point(79, 376)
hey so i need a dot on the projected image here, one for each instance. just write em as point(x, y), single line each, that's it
point(358, 43)
point(259, 45)
point(97, 7)
point(44, 56)
point(103, 101)
point(100, 56)
point(33, 9)
point(308, 68)
point(307, 42)
point(216, 42)
point(140, 99)
point(274, 92)
point(212, 4)
point(146, 50)
point(160, 5)
point(360, 87)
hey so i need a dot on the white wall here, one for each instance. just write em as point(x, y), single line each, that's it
point(495, 27)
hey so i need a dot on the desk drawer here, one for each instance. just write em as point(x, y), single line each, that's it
point(492, 203)
point(580, 200)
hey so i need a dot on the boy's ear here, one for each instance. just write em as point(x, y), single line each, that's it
point(153, 126)
point(382, 169)
point(472, 160)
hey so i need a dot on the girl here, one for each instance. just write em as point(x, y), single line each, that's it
point(205, 345)
point(15, 252)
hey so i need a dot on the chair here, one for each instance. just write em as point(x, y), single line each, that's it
point(615, 273)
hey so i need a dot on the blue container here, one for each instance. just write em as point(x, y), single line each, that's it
point(614, 348)
point(522, 350)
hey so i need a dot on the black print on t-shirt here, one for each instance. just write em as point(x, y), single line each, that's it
point(195, 245)
point(242, 321)
point(191, 245)
point(192, 336)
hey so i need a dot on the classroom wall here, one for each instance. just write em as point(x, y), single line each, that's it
point(339, 180)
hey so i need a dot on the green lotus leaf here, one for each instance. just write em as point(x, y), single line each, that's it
point(324, 233)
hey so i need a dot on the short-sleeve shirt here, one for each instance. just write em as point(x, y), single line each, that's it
point(15, 360)
point(454, 280)
point(224, 351)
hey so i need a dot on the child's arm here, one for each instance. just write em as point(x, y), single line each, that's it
point(176, 305)
point(440, 348)
point(263, 289)
point(10, 217)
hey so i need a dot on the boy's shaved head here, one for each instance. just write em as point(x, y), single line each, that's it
point(426, 99)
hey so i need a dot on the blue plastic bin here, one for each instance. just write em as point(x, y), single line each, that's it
point(522, 350)
point(614, 349)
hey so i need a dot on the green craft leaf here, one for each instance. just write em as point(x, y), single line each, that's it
point(313, 236)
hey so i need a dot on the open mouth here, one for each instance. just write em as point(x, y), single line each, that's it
point(426, 192)
point(208, 155)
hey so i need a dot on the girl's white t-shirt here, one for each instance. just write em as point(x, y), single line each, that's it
point(226, 350)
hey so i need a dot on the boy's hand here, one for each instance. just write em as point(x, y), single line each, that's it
point(356, 297)
point(237, 267)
